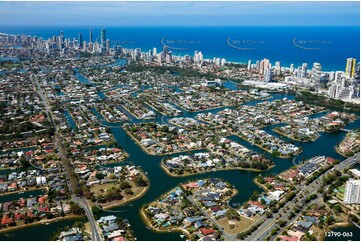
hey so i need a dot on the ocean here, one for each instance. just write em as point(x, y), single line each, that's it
point(329, 46)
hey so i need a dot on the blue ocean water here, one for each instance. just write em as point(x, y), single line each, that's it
point(329, 46)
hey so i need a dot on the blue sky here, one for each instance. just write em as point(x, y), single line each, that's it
point(181, 13)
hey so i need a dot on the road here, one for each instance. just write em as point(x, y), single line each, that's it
point(45, 100)
point(301, 190)
point(227, 236)
point(72, 181)
point(95, 230)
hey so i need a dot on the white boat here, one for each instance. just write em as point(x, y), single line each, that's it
point(47, 223)
point(182, 235)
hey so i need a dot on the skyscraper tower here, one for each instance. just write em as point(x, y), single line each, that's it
point(350, 67)
point(268, 75)
point(90, 35)
point(316, 72)
point(165, 51)
point(249, 65)
point(102, 38)
point(61, 40)
point(80, 39)
point(357, 71)
point(304, 70)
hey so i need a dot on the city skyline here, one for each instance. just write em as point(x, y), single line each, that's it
point(191, 13)
point(180, 121)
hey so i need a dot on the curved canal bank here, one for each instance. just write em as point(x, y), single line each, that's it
point(160, 182)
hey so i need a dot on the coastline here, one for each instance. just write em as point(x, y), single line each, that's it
point(340, 153)
point(260, 185)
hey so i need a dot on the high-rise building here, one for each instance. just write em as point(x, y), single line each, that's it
point(223, 61)
point(268, 75)
point(102, 38)
point(249, 65)
point(80, 41)
point(61, 40)
point(84, 45)
point(352, 192)
point(350, 67)
point(332, 90)
point(108, 44)
point(257, 65)
point(357, 71)
point(316, 72)
point(90, 35)
point(278, 68)
point(187, 58)
point(292, 68)
point(168, 58)
point(264, 64)
point(261, 67)
point(154, 51)
point(198, 57)
point(165, 51)
point(338, 77)
point(304, 70)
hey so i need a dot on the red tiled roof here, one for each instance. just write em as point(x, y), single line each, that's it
point(6, 220)
point(119, 238)
point(207, 231)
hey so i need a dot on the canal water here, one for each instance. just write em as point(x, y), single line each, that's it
point(14, 59)
point(39, 232)
point(70, 120)
point(160, 182)
point(242, 180)
point(17, 196)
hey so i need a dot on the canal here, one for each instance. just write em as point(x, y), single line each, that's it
point(160, 182)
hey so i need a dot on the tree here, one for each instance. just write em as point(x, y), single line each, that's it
point(76, 209)
point(78, 224)
point(232, 215)
point(268, 214)
point(337, 208)
point(24, 162)
point(140, 182)
point(124, 185)
point(99, 176)
point(96, 211)
point(129, 191)
point(281, 223)
point(254, 196)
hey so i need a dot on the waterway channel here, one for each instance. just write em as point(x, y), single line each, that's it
point(160, 182)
